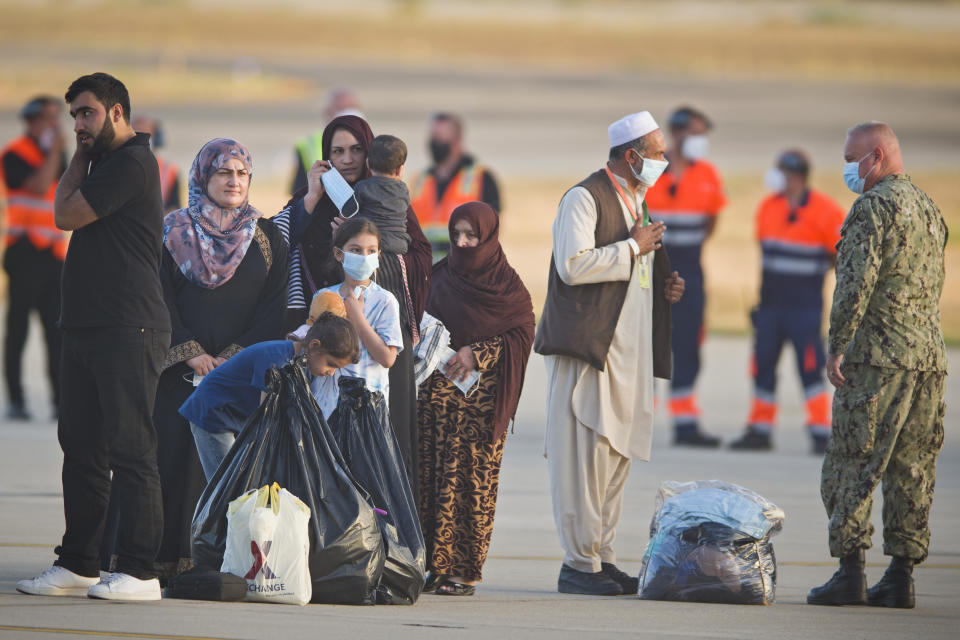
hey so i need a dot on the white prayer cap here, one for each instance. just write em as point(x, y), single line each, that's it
point(631, 127)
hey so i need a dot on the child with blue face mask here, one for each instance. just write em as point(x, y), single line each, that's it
point(373, 311)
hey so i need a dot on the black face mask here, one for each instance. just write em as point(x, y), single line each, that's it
point(439, 151)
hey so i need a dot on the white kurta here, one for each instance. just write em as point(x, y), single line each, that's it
point(617, 402)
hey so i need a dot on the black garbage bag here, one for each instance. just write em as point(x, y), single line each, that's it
point(361, 426)
point(710, 542)
point(287, 441)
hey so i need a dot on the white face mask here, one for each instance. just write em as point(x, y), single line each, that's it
point(360, 267)
point(695, 147)
point(339, 191)
point(650, 171)
point(775, 180)
point(851, 174)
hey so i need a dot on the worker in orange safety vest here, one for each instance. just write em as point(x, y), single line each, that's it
point(688, 197)
point(169, 172)
point(454, 179)
point(798, 229)
point(30, 167)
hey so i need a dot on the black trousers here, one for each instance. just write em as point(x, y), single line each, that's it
point(403, 410)
point(106, 424)
point(34, 284)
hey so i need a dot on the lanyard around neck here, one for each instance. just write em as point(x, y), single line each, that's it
point(630, 206)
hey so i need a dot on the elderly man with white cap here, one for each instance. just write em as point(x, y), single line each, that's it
point(605, 334)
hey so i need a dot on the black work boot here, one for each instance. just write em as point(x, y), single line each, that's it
point(629, 584)
point(753, 440)
point(690, 435)
point(591, 584)
point(895, 588)
point(847, 586)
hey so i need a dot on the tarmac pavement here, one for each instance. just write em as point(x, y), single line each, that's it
point(518, 597)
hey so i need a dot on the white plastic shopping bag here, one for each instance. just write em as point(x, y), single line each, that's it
point(268, 544)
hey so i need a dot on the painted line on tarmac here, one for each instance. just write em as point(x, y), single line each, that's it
point(788, 563)
point(107, 634)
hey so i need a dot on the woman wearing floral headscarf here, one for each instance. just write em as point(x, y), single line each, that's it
point(487, 309)
point(224, 276)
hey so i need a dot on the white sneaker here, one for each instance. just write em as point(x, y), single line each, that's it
point(57, 581)
point(120, 586)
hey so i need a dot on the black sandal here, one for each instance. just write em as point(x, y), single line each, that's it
point(433, 579)
point(451, 588)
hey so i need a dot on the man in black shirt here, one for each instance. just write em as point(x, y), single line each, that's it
point(116, 335)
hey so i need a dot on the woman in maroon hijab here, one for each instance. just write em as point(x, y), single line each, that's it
point(483, 303)
point(309, 218)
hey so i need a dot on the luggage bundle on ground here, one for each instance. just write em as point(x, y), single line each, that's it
point(288, 442)
point(710, 542)
point(362, 429)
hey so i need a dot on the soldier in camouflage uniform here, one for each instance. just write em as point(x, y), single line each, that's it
point(888, 362)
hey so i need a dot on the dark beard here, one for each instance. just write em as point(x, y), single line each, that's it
point(101, 144)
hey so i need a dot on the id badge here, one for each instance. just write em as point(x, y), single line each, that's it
point(643, 271)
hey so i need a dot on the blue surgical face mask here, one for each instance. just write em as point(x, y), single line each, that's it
point(650, 171)
point(851, 174)
point(360, 267)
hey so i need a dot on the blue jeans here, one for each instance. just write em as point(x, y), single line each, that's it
point(212, 447)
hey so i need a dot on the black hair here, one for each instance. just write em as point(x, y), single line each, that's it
point(794, 161)
point(106, 89)
point(34, 108)
point(336, 335)
point(639, 145)
point(386, 154)
point(452, 118)
point(354, 227)
point(682, 117)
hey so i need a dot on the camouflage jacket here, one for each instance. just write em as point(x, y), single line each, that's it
point(890, 270)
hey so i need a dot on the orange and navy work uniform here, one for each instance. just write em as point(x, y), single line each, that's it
point(433, 202)
point(799, 248)
point(169, 184)
point(30, 215)
point(687, 204)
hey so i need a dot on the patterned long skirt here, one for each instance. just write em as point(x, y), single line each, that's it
point(459, 469)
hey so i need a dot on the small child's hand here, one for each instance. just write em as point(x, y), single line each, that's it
point(354, 307)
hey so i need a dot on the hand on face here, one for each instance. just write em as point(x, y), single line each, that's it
point(314, 183)
point(93, 125)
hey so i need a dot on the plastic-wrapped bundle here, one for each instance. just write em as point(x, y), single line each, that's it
point(287, 441)
point(362, 428)
point(710, 542)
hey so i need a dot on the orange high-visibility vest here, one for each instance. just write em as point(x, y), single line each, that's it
point(29, 214)
point(168, 177)
point(466, 186)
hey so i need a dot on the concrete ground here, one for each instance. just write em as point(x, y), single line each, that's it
point(518, 597)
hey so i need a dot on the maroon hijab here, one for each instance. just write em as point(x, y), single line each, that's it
point(477, 295)
point(317, 241)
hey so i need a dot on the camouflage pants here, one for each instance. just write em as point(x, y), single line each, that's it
point(887, 426)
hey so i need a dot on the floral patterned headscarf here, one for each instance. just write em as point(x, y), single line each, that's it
point(208, 241)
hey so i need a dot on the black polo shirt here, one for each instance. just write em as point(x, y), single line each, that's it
point(111, 277)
